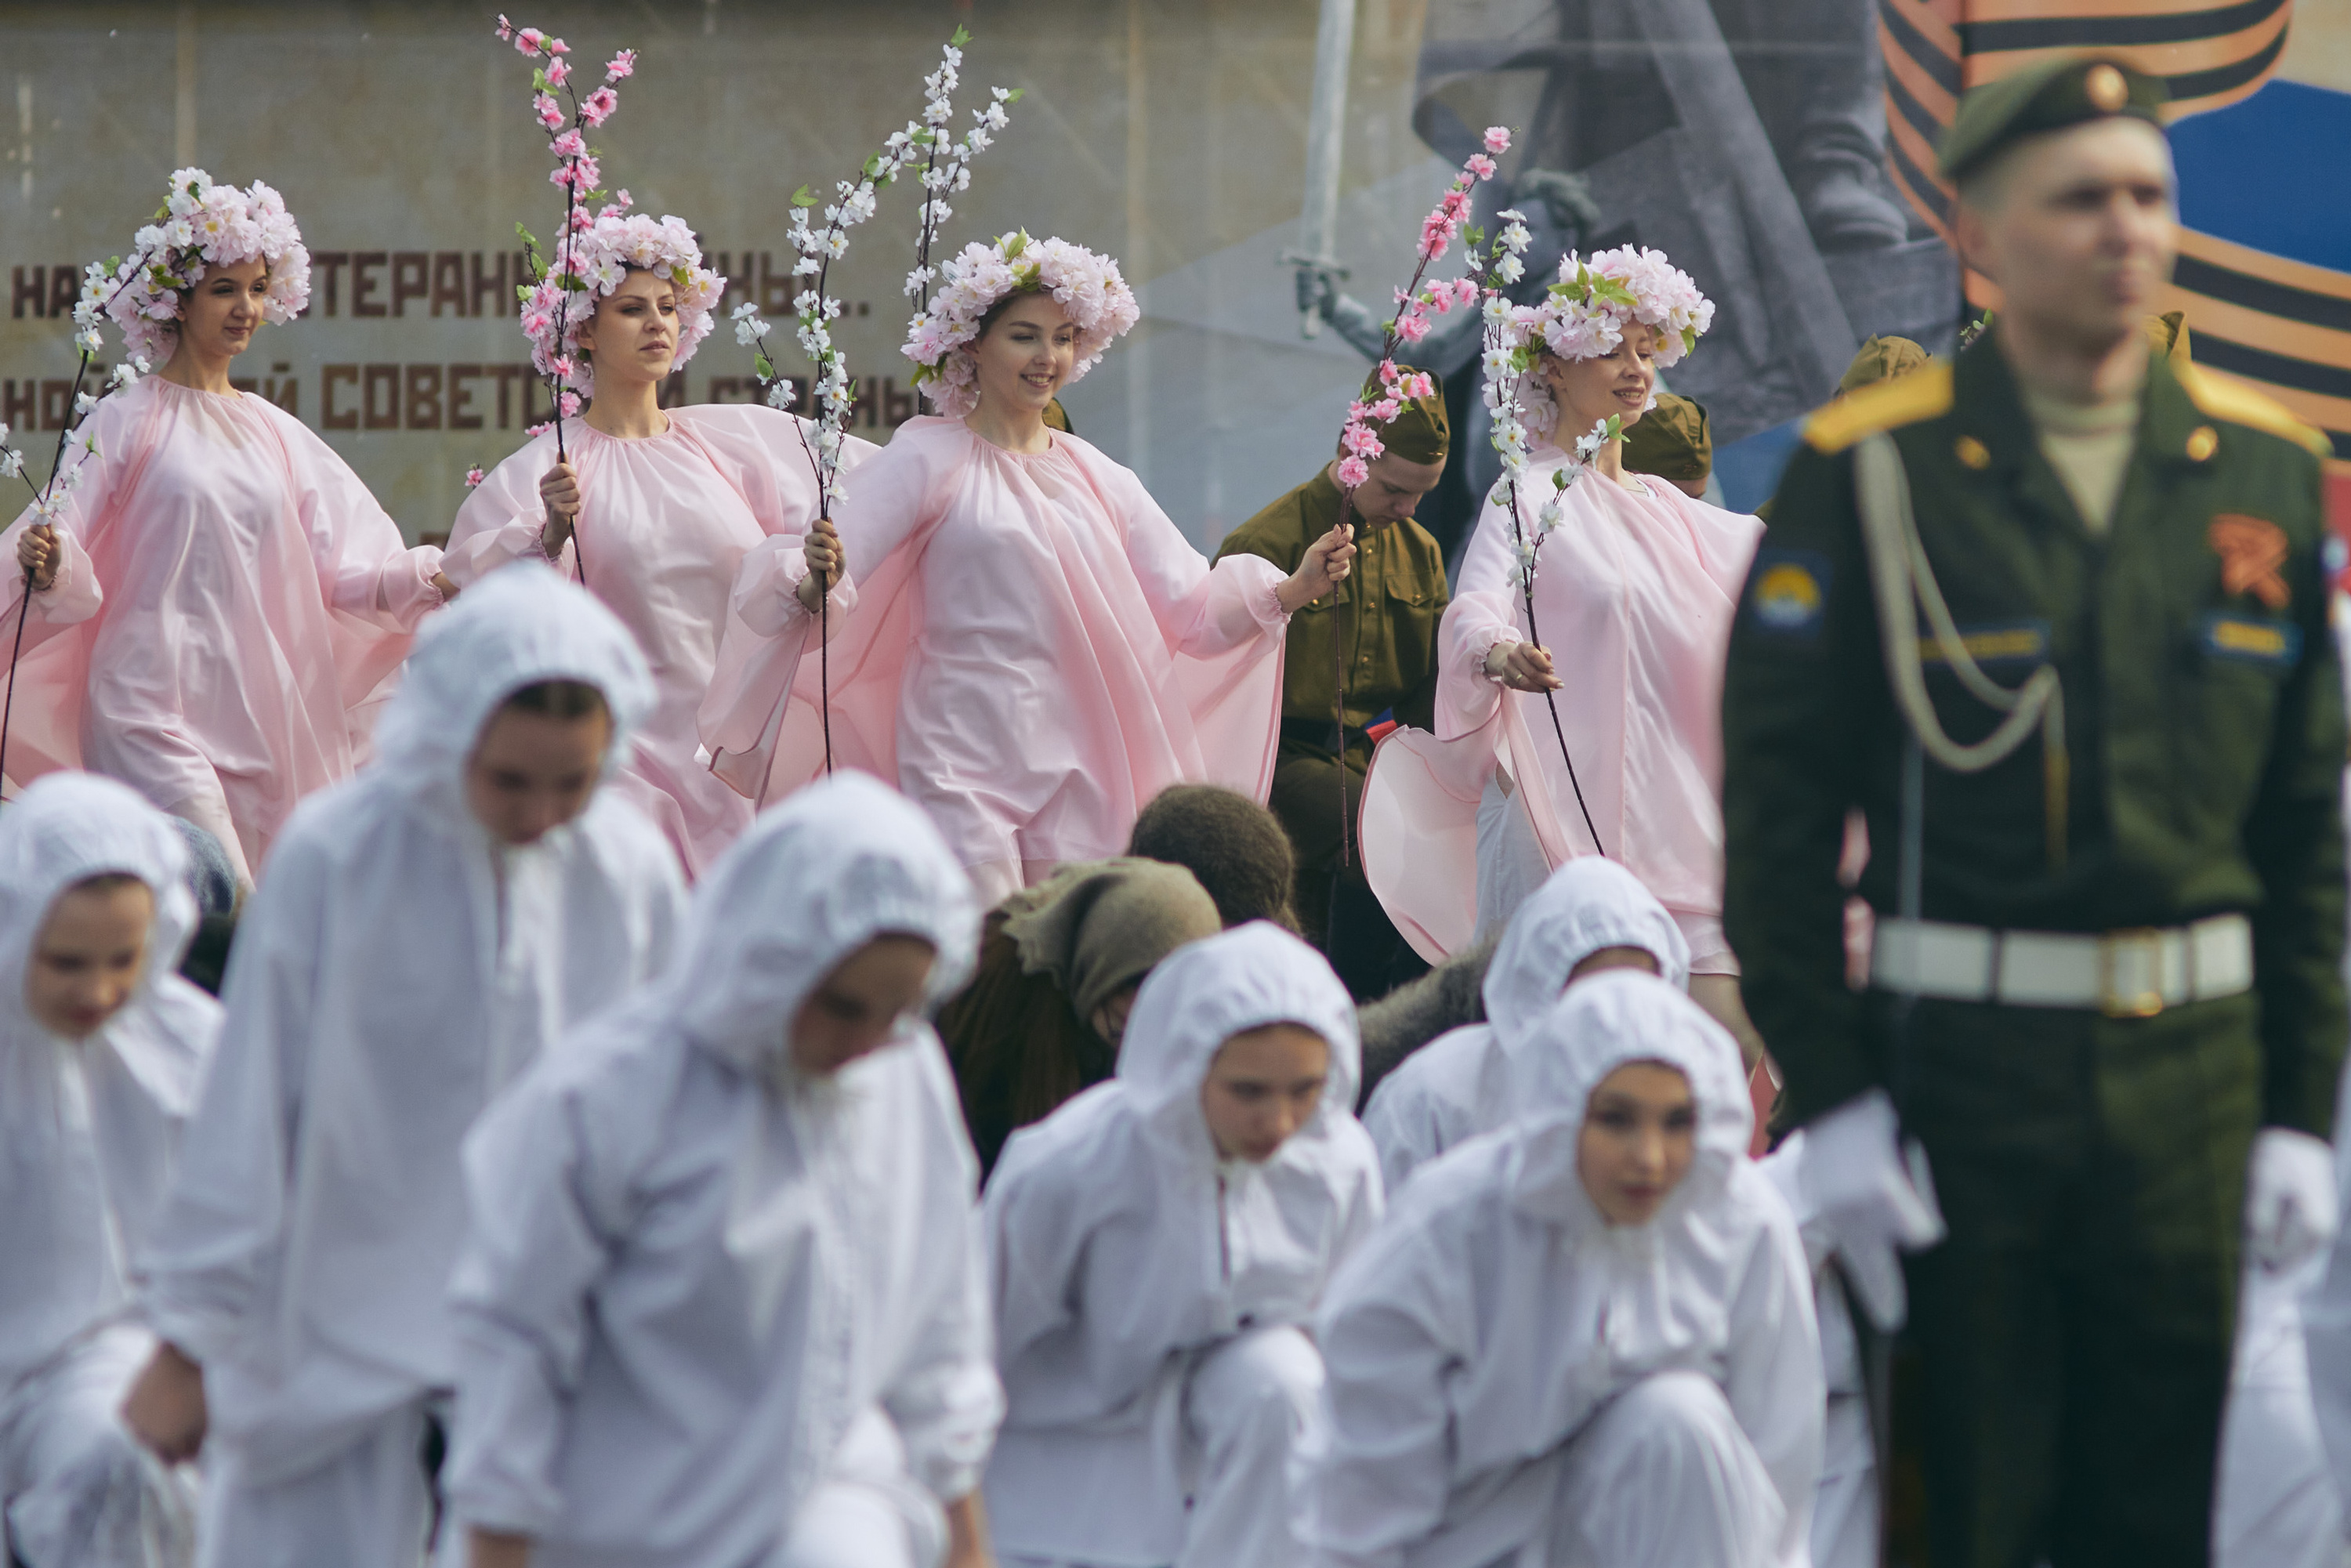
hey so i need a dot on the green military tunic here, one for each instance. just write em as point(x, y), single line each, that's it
point(2074, 1330)
point(1387, 611)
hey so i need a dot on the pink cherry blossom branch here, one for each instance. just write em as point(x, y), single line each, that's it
point(578, 172)
point(1361, 444)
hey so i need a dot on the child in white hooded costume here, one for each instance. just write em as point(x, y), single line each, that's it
point(722, 1298)
point(1151, 1287)
point(1510, 1370)
point(405, 956)
point(101, 1045)
point(1589, 914)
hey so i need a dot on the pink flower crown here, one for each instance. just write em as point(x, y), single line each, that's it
point(1587, 311)
point(1087, 288)
point(202, 226)
point(602, 253)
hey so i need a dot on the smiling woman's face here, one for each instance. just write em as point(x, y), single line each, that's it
point(1025, 355)
point(219, 316)
point(1618, 382)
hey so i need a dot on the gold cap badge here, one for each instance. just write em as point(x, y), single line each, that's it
point(2202, 442)
point(1971, 453)
point(2105, 88)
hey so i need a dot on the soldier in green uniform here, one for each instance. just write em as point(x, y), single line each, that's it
point(1387, 616)
point(2052, 618)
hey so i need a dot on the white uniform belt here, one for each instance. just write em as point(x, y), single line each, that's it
point(2123, 974)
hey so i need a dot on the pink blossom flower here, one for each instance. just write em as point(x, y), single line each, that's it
point(1480, 165)
point(505, 29)
point(1417, 385)
point(621, 65)
point(1412, 328)
point(571, 144)
point(473, 475)
point(558, 46)
point(550, 112)
point(528, 40)
point(532, 433)
point(1465, 291)
point(562, 364)
point(570, 403)
point(1353, 473)
point(581, 173)
point(1498, 140)
point(558, 73)
point(598, 105)
point(1387, 409)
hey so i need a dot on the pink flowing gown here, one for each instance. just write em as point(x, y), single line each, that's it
point(666, 522)
point(1025, 644)
point(1634, 596)
point(230, 613)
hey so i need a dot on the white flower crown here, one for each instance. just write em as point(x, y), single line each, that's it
point(1087, 286)
point(203, 225)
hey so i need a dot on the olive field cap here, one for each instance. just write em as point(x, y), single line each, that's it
point(1882, 360)
point(1419, 432)
point(1671, 441)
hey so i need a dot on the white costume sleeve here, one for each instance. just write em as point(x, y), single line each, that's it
point(1395, 1323)
point(225, 1220)
point(946, 1400)
point(1771, 1375)
point(521, 1290)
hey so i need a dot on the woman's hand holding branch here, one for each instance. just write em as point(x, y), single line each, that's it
point(821, 549)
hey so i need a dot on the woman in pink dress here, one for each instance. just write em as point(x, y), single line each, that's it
point(1024, 641)
point(1633, 591)
point(656, 508)
point(220, 606)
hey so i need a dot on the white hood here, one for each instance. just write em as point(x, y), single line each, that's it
point(1587, 905)
point(515, 628)
point(839, 862)
point(88, 1128)
point(1202, 995)
point(1467, 1081)
point(1605, 1022)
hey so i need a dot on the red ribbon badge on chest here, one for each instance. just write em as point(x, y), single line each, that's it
point(2251, 550)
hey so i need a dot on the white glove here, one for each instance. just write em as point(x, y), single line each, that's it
point(1784, 1167)
point(2290, 1198)
point(1874, 1194)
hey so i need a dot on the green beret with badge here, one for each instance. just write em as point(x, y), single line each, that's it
point(2051, 95)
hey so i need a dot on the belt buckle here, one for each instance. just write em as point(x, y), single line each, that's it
point(2142, 949)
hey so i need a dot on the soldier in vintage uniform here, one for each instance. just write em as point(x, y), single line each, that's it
point(1388, 621)
point(2052, 620)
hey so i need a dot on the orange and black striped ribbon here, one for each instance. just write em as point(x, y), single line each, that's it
point(2282, 325)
